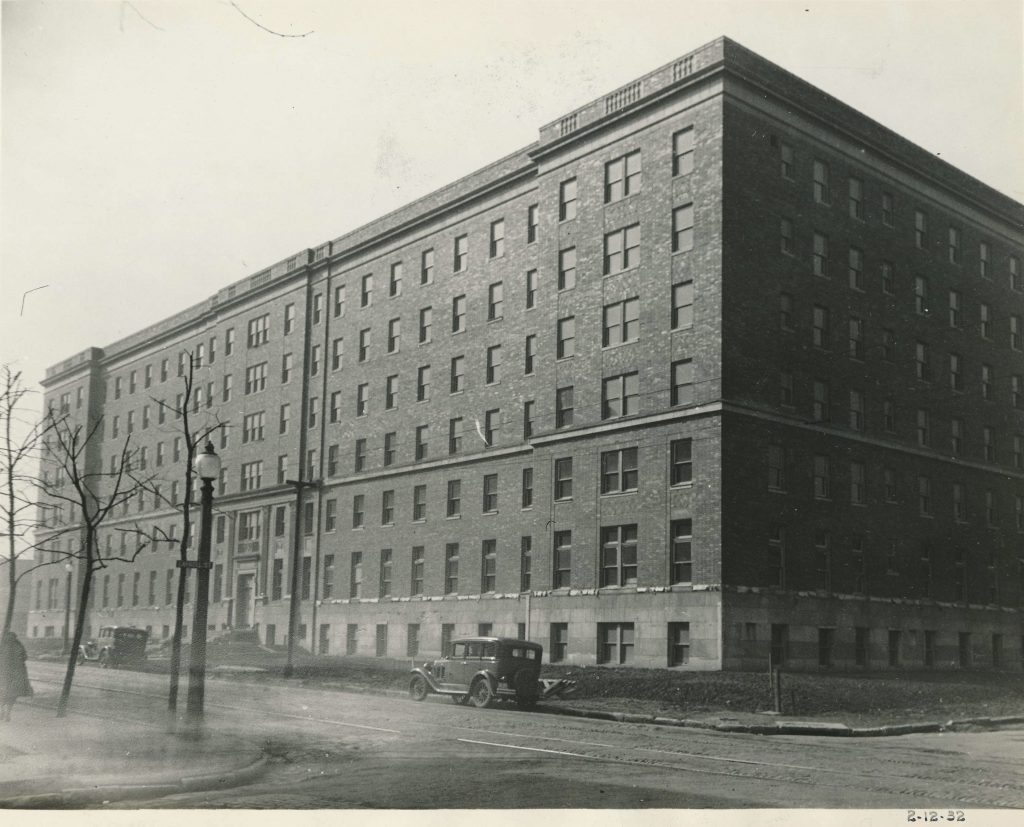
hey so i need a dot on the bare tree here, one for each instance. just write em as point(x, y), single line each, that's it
point(20, 439)
point(193, 438)
point(92, 496)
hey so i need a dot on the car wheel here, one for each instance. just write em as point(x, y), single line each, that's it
point(418, 688)
point(461, 700)
point(480, 693)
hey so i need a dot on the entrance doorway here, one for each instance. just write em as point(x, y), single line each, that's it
point(243, 601)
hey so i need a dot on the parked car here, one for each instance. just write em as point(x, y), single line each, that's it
point(116, 646)
point(481, 670)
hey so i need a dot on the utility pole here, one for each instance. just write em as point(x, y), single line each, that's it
point(293, 613)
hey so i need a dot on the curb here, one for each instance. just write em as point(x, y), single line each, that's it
point(816, 728)
point(75, 796)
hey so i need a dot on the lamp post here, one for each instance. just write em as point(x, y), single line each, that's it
point(67, 608)
point(207, 467)
point(293, 606)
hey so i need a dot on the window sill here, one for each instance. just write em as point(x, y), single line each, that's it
point(564, 500)
point(611, 494)
point(489, 513)
point(619, 344)
point(453, 517)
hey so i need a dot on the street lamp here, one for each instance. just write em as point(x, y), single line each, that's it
point(67, 608)
point(207, 468)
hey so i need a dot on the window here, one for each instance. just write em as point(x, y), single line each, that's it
point(922, 362)
point(856, 410)
point(255, 378)
point(455, 435)
point(858, 483)
point(495, 300)
point(822, 406)
point(531, 289)
point(460, 255)
point(856, 268)
point(423, 383)
point(786, 388)
point(819, 260)
point(822, 477)
point(289, 318)
point(619, 471)
point(622, 322)
point(1015, 276)
point(359, 454)
point(956, 379)
point(953, 245)
point(314, 360)
point(528, 414)
point(427, 266)
point(776, 563)
point(856, 338)
point(924, 495)
point(618, 555)
point(562, 560)
point(458, 314)
point(887, 209)
point(362, 399)
point(622, 249)
point(259, 330)
point(1015, 332)
point(959, 504)
point(252, 475)
point(620, 395)
point(358, 506)
point(339, 300)
point(682, 305)
point(364, 344)
point(567, 192)
point(988, 448)
point(387, 507)
point(563, 478)
point(920, 229)
point(622, 177)
point(366, 290)
point(564, 407)
point(492, 423)
point(389, 448)
point(530, 354)
point(394, 335)
point(855, 199)
point(826, 643)
point(384, 578)
point(776, 468)
point(327, 590)
point(332, 460)
point(682, 151)
point(419, 503)
point(567, 268)
point(786, 236)
point(355, 586)
point(497, 248)
point(823, 560)
point(532, 223)
point(681, 561)
point(681, 461)
point(1018, 452)
point(395, 280)
point(318, 308)
point(956, 436)
point(252, 427)
point(416, 573)
point(280, 516)
point(788, 159)
point(987, 379)
point(887, 278)
point(526, 500)
point(822, 194)
point(921, 295)
point(453, 501)
point(451, 568)
point(682, 382)
point(490, 493)
point(923, 427)
point(615, 643)
point(1016, 395)
point(566, 337)
point(493, 371)
point(682, 228)
point(286, 368)
point(984, 317)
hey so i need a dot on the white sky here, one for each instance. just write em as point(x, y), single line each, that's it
point(153, 152)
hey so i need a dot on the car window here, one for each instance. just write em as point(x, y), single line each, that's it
point(474, 649)
point(459, 650)
point(524, 653)
point(490, 650)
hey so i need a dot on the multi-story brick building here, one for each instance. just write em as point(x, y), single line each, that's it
point(718, 369)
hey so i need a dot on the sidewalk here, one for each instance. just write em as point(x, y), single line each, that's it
point(83, 759)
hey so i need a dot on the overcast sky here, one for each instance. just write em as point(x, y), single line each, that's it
point(153, 152)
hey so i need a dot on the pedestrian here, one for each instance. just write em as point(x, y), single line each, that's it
point(13, 674)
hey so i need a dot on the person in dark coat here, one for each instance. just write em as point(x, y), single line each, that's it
point(13, 674)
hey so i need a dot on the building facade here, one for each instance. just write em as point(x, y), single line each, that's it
point(715, 373)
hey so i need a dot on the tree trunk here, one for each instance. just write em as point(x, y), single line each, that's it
point(80, 613)
point(179, 613)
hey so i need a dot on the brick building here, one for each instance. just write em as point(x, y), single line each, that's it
point(718, 369)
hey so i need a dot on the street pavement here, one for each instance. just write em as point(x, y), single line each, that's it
point(95, 755)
